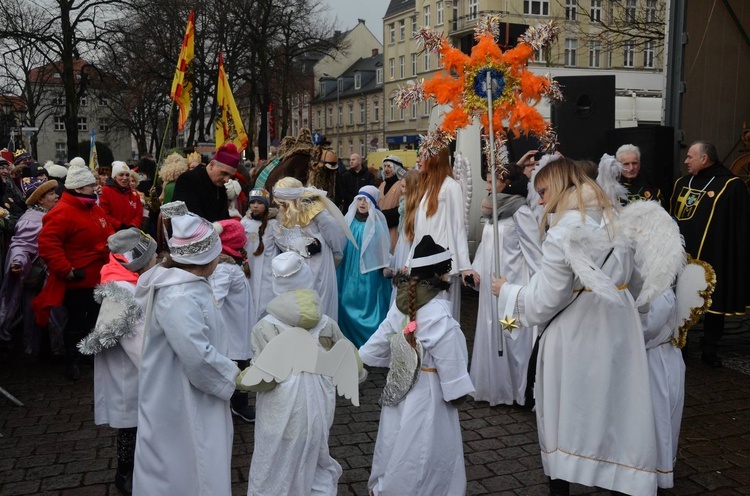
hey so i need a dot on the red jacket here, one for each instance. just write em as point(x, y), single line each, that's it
point(73, 236)
point(123, 207)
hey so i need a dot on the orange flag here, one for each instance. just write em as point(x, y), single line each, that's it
point(182, 85)
point(229, 125)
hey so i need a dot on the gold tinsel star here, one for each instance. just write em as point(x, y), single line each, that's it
point(509, 323)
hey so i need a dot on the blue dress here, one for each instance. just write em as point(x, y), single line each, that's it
point(363, 298)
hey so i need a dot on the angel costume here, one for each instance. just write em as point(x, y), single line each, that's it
point(419, 448)
point(365, 293)
point(593, 401)
point(500, 379)
point(184, 425)
point(260, 266)
point(232, 293)
point(447, 228)
point(320, 220)
point(293, 418)
point(667, 372)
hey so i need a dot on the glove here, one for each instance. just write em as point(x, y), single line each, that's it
point(238, 380)
point(78, 274)
point(313, 247)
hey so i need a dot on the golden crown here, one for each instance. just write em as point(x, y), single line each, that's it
point(195, 156)
point(18, 152)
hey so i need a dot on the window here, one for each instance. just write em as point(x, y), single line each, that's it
point(650, 14)
point(401, 66)
point(61, 150)
point(400, 114)
point(648, 55)
point(103, 102)
point(630, 10)
point(536, 7)
point(375, 111)
point(539, 56)
point(571, 10)
point(595, 51)
point(351, 146)
point(473, 10)
point(304, 98)
point(392, 109)
point(59, 100)
point(571, 45)
point(341, 84)
point(379, 76)
point(402, 29)
point(414, 110)
point(295, 126)
point(596, 10)
point(59, 123)
point(357, 81)
point(392, 30)
point(322, 88)
point(320, 126)
point(414, 28)
point(439, 13)
point(628, 57)
point(426, 12)
point(330, 117)
point(340, 119)
point(104, 126)
point(413, 64)
point(426, 107)
point(351, 114)
point(362, 108)
point(361, 147)
point(392, 68)
point(427, 61)
point(83, 124)
point(83, 101)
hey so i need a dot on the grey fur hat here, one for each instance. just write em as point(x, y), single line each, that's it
point(134, 245)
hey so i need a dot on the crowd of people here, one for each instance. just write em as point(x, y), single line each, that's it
point(184, 301)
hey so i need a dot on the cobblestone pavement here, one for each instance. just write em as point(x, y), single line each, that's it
point(52, 447)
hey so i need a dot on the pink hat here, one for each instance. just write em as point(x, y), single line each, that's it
point(228, 155)
point(233, 237)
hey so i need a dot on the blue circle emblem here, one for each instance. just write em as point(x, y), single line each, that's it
point(497, 79)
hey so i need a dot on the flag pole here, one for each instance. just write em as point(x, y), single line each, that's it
point(161, 150)
point(496, 328)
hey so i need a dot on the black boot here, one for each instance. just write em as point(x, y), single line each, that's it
point(559, 487)
point(240, 407)
point(124, 479)
point(72, 356)
point(125, 459)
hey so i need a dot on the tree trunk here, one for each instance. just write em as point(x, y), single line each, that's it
point(68, 79)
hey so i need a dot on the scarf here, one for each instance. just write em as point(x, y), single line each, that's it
point(88, 200)
point(426, 291)
point(507, 205)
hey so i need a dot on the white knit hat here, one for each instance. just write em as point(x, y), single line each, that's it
point(290, 272)
point(79, 176)
point(54, 170)
point(119, 167)
point(77, 161)
point(194, 240)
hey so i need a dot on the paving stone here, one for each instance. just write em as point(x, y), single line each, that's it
point(19, 488)
point(62, 481)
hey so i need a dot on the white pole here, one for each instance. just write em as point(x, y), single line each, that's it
point(496, 327)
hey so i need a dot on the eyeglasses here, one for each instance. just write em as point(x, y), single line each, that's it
point(541, 192)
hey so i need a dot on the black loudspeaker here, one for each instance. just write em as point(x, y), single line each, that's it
point(657, 152)
point(585, 116)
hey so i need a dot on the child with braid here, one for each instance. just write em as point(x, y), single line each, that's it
point(419, 448)
point(259, 222)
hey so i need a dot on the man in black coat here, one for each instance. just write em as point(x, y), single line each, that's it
point(354, 178)
point(202, 189)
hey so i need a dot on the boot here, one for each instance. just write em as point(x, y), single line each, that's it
point(126, 439)
point(559, 487)
point(240, 407)
point(124, 479)
point(72, 372)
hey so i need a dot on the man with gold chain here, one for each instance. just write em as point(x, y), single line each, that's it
point(711, 206)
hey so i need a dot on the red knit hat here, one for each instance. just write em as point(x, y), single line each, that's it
point(233, 237)
point(228, 155)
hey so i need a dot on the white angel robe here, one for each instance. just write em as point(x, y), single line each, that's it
point(233, 294)
point(116, 377)
point(294, 418)
point(499, 379)
point(667, 372)
point(184, 443)
point(593, 400)
point(332, 238)
point(447, 229)
point(260, 266)
point(419, 449)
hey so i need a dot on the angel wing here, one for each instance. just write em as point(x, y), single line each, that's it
point(695, 284)
point(295, 351)
point(462, 173)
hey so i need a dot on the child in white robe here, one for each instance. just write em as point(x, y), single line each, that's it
point(294, 417)
point(259, 223)
point(499, 379)
point(419, 449)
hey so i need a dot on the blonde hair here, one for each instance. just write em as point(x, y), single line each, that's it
point(411, 202)
point(565, 179)
point(134, 177)
point(289, 210)
point(174, 165)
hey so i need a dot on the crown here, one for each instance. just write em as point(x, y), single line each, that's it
point(259, 193)
point(194, 156)
point(18, 152)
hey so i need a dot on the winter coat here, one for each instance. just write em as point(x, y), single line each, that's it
point(122, 206)
point(201, 196)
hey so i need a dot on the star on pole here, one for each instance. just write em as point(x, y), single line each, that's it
point(509, 323)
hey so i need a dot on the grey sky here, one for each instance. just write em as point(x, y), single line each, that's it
point(348, 11)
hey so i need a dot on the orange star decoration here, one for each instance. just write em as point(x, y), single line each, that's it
point(462, 85)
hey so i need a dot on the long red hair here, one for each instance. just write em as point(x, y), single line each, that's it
point(432, 174)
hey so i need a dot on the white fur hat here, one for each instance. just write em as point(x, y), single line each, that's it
point(79, 176)
point(119, 167)
point(290, 272)
point(54, 170)
point(78, 161)
point(194, 240)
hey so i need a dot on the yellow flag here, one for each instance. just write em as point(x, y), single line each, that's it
point(229, 125)
point(182, 84)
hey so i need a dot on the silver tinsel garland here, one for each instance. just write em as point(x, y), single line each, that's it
point(108, 333)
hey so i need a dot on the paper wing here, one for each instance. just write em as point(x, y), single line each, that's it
point(695, 284)
point(291, 352)
point(340, 363)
